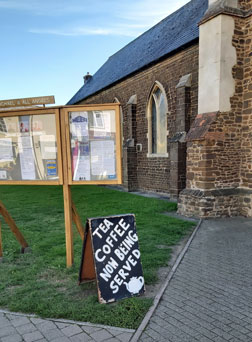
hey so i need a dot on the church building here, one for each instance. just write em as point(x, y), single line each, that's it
point(185, 89)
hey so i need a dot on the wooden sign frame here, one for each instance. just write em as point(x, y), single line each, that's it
point(65, 167)
point(29, 101)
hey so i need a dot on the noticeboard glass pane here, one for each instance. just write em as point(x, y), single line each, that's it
point(28, 148)
point(93, 145)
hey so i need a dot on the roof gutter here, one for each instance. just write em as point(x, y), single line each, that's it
point(170, 54)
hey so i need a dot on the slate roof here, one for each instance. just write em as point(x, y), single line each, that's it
point(172, 33)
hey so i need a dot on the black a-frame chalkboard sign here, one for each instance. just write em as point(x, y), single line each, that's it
point(111, 256)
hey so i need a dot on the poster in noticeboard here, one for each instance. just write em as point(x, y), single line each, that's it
point(28, 148)
point(93, 145)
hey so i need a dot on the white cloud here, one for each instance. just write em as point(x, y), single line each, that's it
point(128, 30)
point(132, 10)
point(149, 13)
point(73, 32)
point(55, 7)
point(126, 18)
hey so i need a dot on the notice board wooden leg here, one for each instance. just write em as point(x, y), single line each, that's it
point(68, 225)
point(77, 221)
point(9, 220)
point(1, 248)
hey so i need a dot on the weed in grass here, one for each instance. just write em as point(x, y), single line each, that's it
point(39, 282)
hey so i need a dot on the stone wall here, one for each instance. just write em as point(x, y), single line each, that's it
point(219, 159)
point(154, 173)
point(245, 5)
point(216, 203)
point(246, 132)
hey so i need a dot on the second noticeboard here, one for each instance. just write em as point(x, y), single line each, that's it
point(94, 143)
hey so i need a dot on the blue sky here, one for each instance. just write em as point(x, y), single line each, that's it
point(47, 46)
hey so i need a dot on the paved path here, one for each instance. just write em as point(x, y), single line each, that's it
point(210, 296)
point(17, 328)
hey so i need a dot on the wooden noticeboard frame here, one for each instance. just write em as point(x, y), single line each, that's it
point(29, 112)
point(116, 108)
point(64, 166)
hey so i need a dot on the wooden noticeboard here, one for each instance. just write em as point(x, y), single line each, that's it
point(111, 255)
point(64, 145)
point(93, 141)
point(30, 147)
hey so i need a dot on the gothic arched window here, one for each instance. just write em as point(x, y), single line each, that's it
point(157, 121)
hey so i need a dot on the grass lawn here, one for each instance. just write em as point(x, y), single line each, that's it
point(39, 282)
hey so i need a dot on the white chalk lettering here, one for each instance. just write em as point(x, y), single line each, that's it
point(136, 253)
point(120, 255)
point(133, 236)
point(109, 241)
point(113, 263)
point(123, 274)
point(132, 261)
point(114, 287)
point(118, 280)
point(96, 232)
point(106, 249)
point(119, 231)
point(125, 245)
point(116, 254)
point(113, 235)
point(122, 223)
point(122, 249)
point(103, 228)
point(105, 275)
point(127, 266)
point(109, 269)
point(128, 241)
point(108, 223)
point(97, 256)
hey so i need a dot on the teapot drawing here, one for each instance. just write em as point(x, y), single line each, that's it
point(134, 285)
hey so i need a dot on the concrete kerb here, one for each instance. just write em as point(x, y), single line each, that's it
point(66, 321)
point(158, 297)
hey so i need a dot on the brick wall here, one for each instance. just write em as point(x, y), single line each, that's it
point(153, 174)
